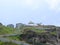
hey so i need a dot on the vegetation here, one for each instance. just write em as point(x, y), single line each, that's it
point(13, 37)
point(53, 33)
point(31, 37)
point(7, 43)
point(6, 30)
point(27, 34)
point(33, 29)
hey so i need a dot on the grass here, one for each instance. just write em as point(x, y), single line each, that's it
point(6, 30)
point(53, 33)
point(34, 29)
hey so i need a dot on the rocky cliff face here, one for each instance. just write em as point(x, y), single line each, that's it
point(32, 37)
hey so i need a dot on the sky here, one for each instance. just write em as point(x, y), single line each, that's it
point(23, 11)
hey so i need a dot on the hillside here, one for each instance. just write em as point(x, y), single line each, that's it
point(6, 30)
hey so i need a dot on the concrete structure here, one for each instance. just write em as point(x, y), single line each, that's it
point(18, 25)
point(10, 25)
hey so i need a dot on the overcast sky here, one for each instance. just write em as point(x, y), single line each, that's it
point(23, 11)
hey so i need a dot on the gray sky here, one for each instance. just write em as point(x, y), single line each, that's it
point(23, 11)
